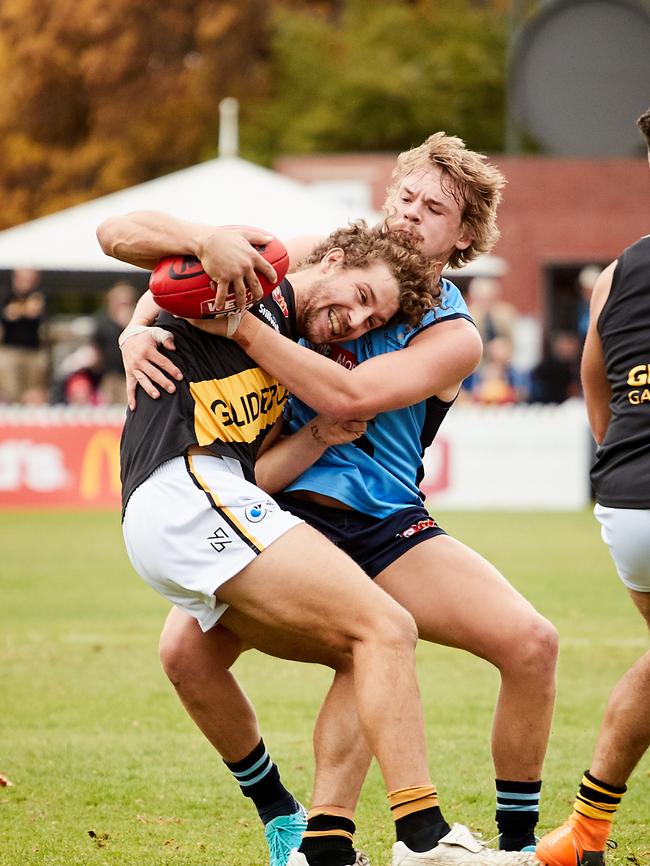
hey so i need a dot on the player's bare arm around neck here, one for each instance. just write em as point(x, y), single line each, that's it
point(434, 364)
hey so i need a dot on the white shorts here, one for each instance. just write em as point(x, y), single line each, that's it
point(626, 531)
point(195, 523)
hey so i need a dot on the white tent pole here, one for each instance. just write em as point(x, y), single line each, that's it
point(229, 127)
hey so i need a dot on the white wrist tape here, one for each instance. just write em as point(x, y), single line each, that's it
point(233, 322)
point(159, 334)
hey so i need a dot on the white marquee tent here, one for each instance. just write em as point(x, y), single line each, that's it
point(227, 190)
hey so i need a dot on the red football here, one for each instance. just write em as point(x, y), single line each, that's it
point(181, 286)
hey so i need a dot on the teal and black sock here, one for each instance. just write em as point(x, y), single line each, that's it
point(259, 778)
point(517, 813)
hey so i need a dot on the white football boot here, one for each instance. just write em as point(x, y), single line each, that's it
point(459, 848)
point(298, 859)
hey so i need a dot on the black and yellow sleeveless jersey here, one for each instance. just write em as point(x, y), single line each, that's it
point(621, 472)
point(225, 402)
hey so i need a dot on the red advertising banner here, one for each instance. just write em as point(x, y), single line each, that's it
point(60, 460)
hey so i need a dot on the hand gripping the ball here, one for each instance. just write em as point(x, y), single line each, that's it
point(240, 264)
point(183, 285)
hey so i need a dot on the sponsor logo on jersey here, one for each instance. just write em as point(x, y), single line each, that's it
point(279, 299)
point(337, 353)
point(639, 375)
point(269, 316)
point(237, 408)
point(258, 511)
point(639, 396)
point(418, 527)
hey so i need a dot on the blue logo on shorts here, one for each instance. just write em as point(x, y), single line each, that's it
point(258, 511)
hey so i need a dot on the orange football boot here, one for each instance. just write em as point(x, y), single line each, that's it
point(569, 845)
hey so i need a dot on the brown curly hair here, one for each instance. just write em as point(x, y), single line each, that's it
point(644, 125)
point(473, 182)
point(418, 277)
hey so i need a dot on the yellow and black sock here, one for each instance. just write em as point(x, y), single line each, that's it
point(594, 810)
point(419, 823)
point(327, 841)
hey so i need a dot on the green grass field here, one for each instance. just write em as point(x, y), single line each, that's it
point(107, 769)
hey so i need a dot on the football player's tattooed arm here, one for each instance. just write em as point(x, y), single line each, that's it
point(595, 384)
point(289, 456)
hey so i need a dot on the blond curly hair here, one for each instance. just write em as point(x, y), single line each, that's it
point(418, 277)
point(473, 182)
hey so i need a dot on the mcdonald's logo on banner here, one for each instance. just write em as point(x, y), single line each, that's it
point(100, 468)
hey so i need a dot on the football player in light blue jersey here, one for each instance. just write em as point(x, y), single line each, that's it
point(352, 470)
point(379, 475)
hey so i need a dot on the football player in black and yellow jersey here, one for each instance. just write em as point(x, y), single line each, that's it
point(616, 382)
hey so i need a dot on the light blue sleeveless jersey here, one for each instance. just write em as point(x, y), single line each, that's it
point(379, 473)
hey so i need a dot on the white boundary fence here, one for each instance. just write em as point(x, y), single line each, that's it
point(532, 457)
point(511, 457)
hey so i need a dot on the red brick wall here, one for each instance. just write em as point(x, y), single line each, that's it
point(554, 211)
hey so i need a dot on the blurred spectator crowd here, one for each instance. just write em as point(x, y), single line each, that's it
point(76, 361)
point(506, 374)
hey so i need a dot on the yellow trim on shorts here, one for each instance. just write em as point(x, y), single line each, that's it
point(228, 515)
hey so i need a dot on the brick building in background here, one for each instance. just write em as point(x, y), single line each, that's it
point(557, 215)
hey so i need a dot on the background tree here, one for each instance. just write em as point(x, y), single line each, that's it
point(99, 96)
point(362, 75)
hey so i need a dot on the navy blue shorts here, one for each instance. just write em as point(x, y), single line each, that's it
point(372, 542)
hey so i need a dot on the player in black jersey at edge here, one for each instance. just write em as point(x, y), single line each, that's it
point(217, 546)
point(616, 383)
